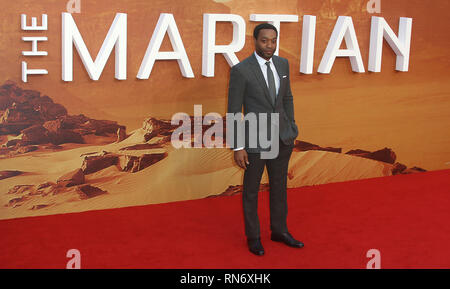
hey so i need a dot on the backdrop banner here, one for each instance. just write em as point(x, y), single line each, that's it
point(107, 104)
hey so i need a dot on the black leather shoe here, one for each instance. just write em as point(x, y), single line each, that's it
point(255, 246)
point(287, 239)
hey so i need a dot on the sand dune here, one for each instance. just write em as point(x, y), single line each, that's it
point(184, 174)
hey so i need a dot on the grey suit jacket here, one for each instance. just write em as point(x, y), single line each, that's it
point(248, 89)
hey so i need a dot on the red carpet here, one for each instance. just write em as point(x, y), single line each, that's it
point(405, 217)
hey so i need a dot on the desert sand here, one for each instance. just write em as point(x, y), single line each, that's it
point(185, 174)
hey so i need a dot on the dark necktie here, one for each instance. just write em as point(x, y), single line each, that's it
point(271, 81)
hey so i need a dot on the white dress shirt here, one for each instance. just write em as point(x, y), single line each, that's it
point(263, 66)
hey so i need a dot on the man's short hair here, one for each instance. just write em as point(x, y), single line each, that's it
point(263, 26)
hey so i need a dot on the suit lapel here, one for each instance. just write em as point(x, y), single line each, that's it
point(278, 67)
point(277, 64)
point(260, 77)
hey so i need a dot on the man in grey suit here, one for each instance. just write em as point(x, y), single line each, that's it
point(260, 84)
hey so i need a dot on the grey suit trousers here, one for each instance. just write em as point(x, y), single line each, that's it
point(277, 170)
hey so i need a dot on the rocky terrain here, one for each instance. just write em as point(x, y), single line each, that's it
point(385, 155)
point(51, 159)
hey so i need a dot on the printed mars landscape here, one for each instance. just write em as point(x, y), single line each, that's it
point(53, 162)
point(89, 145)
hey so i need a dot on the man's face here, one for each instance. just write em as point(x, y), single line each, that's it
point(266, 43)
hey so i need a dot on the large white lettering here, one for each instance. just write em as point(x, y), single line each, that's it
point(210, 49)
point(401, 44)
point(166, 23)
point(343, 30)
point(116, 37)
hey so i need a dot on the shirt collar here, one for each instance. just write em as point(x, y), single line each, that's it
point(261, 60)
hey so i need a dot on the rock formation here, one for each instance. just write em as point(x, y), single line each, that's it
point(37, 120)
